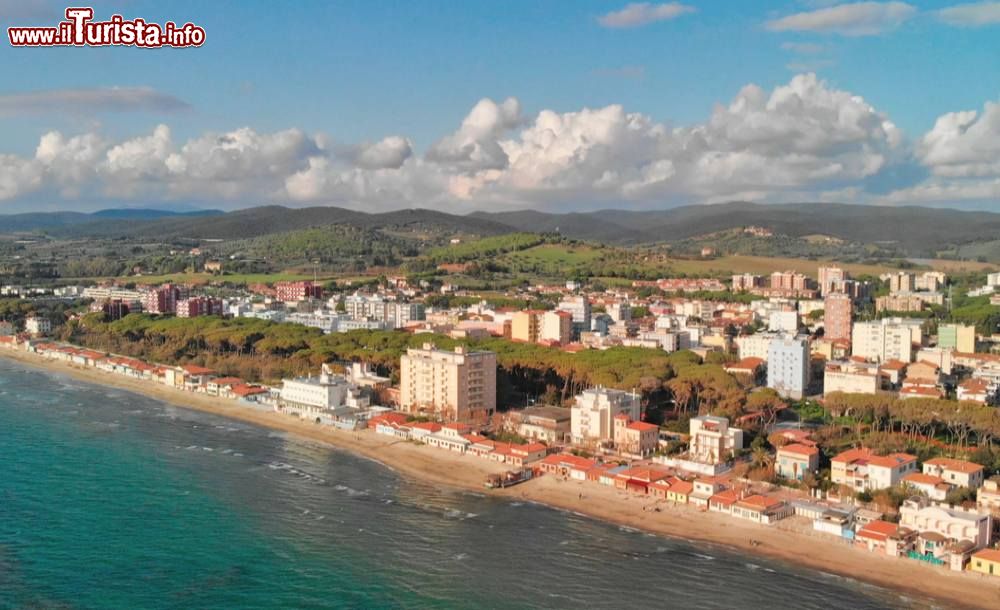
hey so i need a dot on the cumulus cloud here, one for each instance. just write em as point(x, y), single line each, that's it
point(964, 144)
point(803, 140)
point(643, 13)
point(797, 135)
point(475, 145)
point(388, 153)
point(971, 15)
point(90, 101)
point(961, 154)
point(856, 19)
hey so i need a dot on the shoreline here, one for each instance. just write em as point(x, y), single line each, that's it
point(782, 542)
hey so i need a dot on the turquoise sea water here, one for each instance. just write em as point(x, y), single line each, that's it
point(113, 500)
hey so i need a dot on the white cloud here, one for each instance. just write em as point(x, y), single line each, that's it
point(962, 155)
point(643, 13)
point(803, 140)
point(856, 19)
point(964, 144)
point(89, 101)
point(388, 153)
point(971, 15)
point(800, 134)
point(475, 145)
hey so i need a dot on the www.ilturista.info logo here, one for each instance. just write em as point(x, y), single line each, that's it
point(80, 30)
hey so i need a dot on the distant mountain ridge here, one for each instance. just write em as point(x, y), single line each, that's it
point(41, 221)
point(918, 231)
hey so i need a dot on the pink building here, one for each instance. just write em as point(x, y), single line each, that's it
point(290, 292)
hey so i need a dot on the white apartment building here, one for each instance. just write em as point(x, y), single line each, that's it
point(592, 415)
point(556, 326)
point(922, 515)
point(862, 469)
point(314, 397)
point(885, 340)
point(579, 308)
point(37, 326)
point(755, 346)
point(712, 441)
point(851, 377)
point(788, 366)
point(957, 472)
point(783, 322)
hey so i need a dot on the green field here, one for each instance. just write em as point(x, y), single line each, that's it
point(207, 278)
point(555, 254)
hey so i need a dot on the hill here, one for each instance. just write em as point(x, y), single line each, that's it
point(906, 231)
point(45, 221)
point(267, 220)
point(917, 231)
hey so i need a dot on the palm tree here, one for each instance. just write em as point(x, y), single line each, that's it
point(761, 458)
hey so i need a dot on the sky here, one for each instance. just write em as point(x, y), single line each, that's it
point(504, 105)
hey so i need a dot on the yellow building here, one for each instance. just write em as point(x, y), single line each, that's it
point(986, 561)
point(960, 337)
point(679, 491)
point(526, 326)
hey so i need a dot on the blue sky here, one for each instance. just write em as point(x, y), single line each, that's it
point(348, 74)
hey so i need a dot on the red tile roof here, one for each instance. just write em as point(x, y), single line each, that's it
point(568, 460)
point(799, 449)
point(956, 465)
point(877, 530)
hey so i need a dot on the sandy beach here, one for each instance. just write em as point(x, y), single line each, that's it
point(790, 540)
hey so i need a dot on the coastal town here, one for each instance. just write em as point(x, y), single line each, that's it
point(735, 437)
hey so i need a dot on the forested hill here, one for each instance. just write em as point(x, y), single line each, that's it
point(919, 231)
point(256, 222)
point(914, 231)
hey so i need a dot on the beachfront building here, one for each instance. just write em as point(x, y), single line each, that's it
point(788, 366)
point(712, 441)
point(761, 509)
point(567, 465)
point(863, 470)
point(796, 459)
point(637, 439)
point(37, 326)
point(190, 377)
point(546, 423)
point(957, 472)
point(986, 561)
point(450, 437)
point(314, 398)
point(592, 415)
point(451, 386)
point(942, 526)
point(875, 535)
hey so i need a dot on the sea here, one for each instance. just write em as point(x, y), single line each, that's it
point(110, 499)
